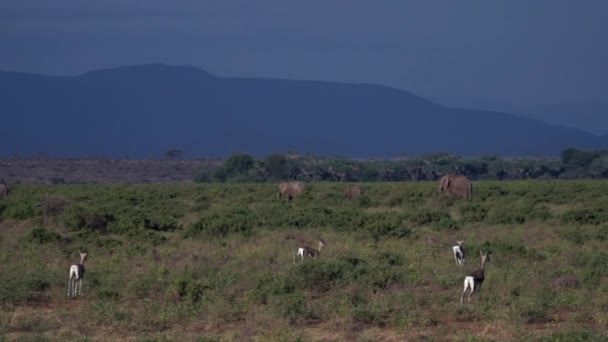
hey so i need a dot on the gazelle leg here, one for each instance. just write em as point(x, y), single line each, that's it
point(471, 292)
point(463, 291)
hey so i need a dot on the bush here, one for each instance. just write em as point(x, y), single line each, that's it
point(221, 223)
point(42, 236)
point(586, 216)
point(161, 223)
point(20, 285)
point(203, 176)
point(428, 216)
point(373, 313)
point(270, 285)
point(506, 214)
point(80, 218)
point(22, 210)
point(291, 306)
point(386, 225)
point(321, 274)
point(472, 212)
point(447, 223)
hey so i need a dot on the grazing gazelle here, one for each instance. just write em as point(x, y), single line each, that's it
point(475, 279)
point(76, 276)
point(308, 251)
point(458, 251)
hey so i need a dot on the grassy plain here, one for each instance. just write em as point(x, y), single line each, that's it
point(214, 262)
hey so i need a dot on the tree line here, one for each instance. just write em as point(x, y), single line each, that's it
point(572, 164)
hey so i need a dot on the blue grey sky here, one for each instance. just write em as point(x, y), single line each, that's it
point(516, 51)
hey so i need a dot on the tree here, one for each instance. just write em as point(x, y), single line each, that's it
point(275, 165)
point(574, 157)
point(173, 153)
point(238, 164)
point(599, 167)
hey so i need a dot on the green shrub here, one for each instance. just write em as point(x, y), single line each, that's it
point(447, 223)
point(322, 274)
point(429, 216)
point(586, 216)
point(188, 287)
point(380, 276)
point(506, 214)
point(221, 223)
point(373, 313)
point(269, 285)
point(203, 176)
point(81, 218)
point(41, 236)
point(575, 235)
point(291, 306)
point(21, 210)
point(160, 223)
point(20, 285)
point(473, 212)
point(386, 225)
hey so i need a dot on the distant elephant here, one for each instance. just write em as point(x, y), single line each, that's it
point(455, 185)
point(290, 190)
point(353, 192)
point(3, 189)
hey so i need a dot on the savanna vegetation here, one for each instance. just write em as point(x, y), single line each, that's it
point(214, 262)
point(572, 164)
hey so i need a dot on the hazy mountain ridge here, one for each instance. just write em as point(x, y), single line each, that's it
point(587, 115)
point(140, 111)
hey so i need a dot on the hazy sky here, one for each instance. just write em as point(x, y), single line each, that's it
point(513, 51)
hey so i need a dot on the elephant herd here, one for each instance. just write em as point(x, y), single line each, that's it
point(449, 185)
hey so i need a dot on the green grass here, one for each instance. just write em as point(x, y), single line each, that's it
point(214, 262)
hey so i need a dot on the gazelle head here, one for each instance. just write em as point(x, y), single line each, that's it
point(459, 243)
point(484, 258)
point(83, 256)
point(321, 244)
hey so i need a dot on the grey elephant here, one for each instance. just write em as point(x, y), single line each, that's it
point(3, 189)
point(353, 192)
point(455, 185)
point(290, 190)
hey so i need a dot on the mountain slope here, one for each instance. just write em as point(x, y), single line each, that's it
point(141, 111)
point(590, 115)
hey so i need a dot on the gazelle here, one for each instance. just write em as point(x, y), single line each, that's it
point(475, 279)
point(76, 276)
point(458, 251)
point(308, 251)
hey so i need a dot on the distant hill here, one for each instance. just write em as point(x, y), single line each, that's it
point(141, 111)
point(590, 115)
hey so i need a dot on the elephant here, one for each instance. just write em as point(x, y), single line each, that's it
point(3, 189)
point(455, 185)
point(290, 190)
point(353, 192)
